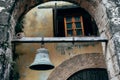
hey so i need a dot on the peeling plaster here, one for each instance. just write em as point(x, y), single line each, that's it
point(113, 11)
point(111, 6)
point(2, 0)
point(1, 52)
point(108, 4)
point(117, 47)
point(116, 21)
point(117, 36)
point(1, 8)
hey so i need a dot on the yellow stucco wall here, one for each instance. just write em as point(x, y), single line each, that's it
point(39, 22)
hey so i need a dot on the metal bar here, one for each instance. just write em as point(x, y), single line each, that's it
point(55, 20)
point(58, 39)
point(58, 7)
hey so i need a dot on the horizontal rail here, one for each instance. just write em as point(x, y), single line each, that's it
point(58, 39)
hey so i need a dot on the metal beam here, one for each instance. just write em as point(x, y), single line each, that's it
point(58, 39)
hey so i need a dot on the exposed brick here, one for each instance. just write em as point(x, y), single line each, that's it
point(81, 61)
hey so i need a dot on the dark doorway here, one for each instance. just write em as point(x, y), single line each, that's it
point(90, 74)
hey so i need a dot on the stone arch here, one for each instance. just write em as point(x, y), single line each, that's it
point(77, 63)
point(95, 8)
point(105, 13)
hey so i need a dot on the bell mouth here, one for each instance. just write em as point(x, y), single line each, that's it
point(41, 67)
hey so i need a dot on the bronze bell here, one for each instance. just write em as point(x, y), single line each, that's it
point(42, 61)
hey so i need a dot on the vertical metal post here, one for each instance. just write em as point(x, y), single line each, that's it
point(13, 49)
point(55, 20)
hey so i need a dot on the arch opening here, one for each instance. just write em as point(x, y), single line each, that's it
point(60, 11)
point(90, 74)
point(90, 17)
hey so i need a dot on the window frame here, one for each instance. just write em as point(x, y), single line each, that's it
point(74, 28)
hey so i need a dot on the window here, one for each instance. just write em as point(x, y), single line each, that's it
point(74, 22)
point(73, 26)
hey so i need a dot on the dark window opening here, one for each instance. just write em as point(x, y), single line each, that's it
point(89, 25)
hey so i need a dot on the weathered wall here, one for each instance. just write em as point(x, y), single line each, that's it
point(112, 31)
point(5, 38)
point(105, 12)
point(39, 23)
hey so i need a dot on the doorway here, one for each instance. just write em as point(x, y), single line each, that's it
point(90, 74)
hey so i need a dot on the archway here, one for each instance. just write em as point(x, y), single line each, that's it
point(28, 51)
point(95, 8)
point(90, 74)
point(81, 6)
point(77, 63)
point(100, 10)
point(88, 5)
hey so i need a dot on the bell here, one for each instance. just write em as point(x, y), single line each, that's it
point(42, 61)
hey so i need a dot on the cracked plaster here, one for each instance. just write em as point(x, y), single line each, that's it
point(1, 8)
point(113, 11)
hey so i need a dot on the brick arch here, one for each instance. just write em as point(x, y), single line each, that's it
point(22, 7)
point(94, 8)
point(77, 63)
